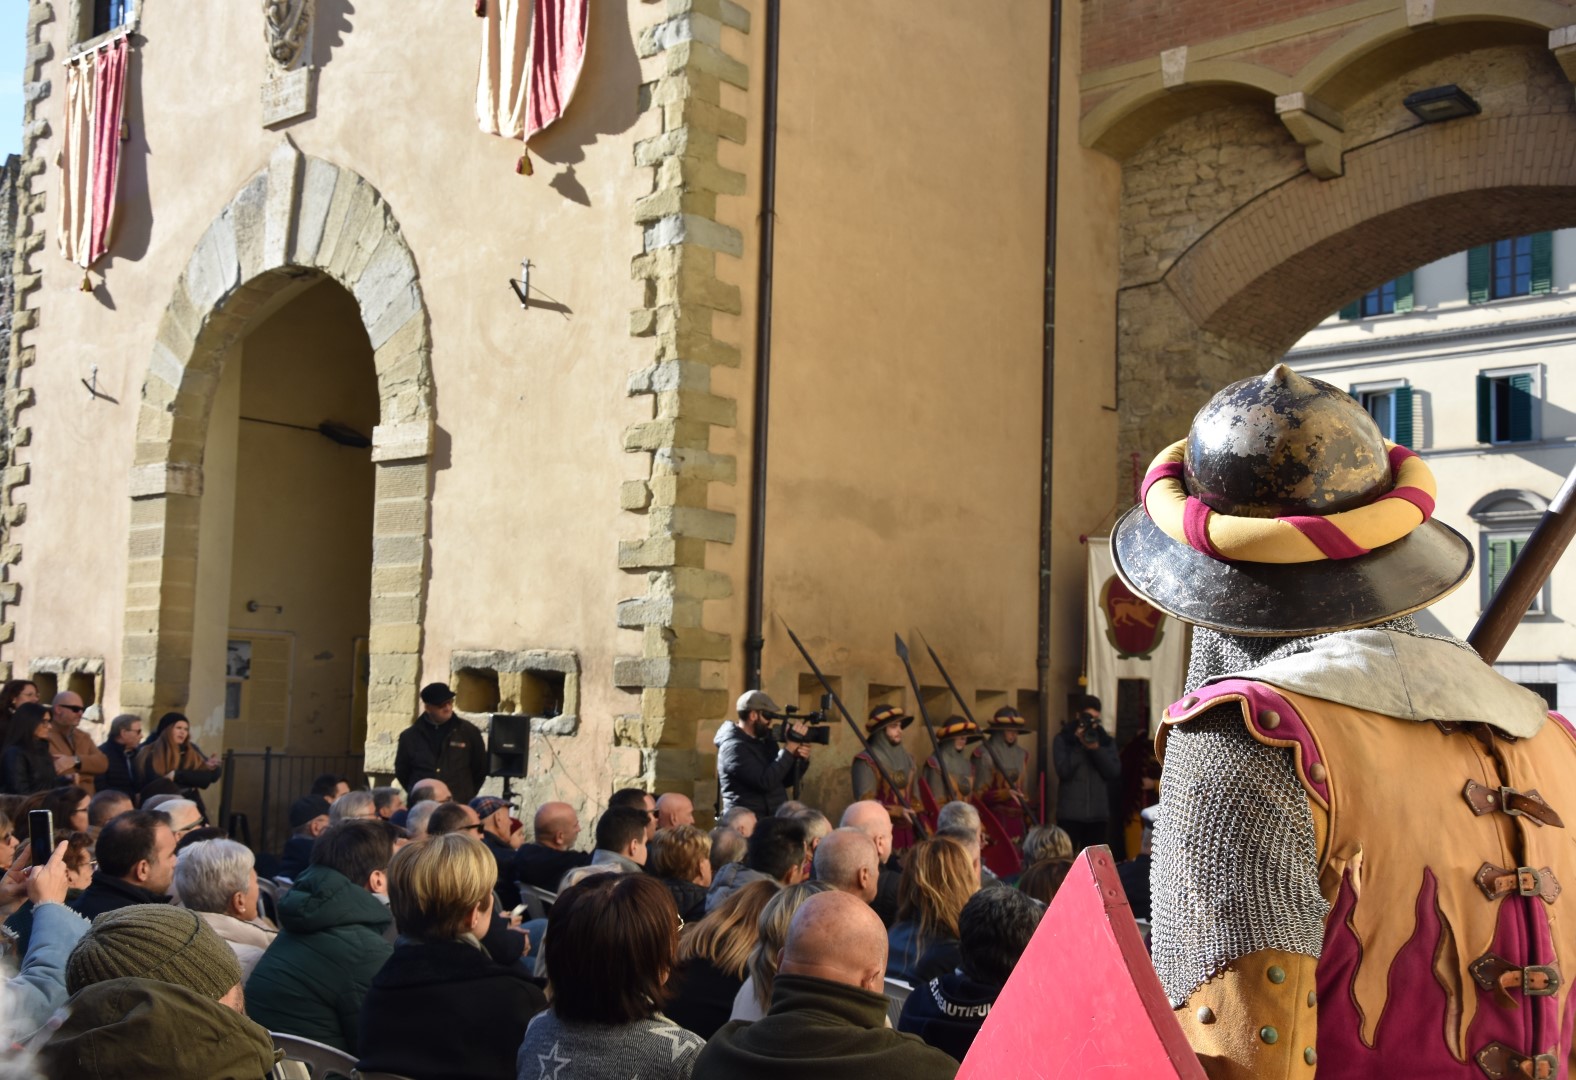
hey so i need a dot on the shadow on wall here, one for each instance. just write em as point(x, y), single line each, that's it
point(606, 100)
point(328, 33)
point(134, 212)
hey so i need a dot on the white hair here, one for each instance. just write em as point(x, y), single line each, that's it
point(210, 872)
point(416, 817)
point(580, 873)
point(355, 804)
point(959, 815)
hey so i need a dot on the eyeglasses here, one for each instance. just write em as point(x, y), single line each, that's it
point(477, 826)
point(681, 924)
point(70, 708)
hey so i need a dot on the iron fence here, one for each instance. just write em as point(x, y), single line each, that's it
point(260, 785)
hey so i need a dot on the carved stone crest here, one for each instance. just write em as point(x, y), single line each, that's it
point(290, 90)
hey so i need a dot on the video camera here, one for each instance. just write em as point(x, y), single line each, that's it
point(818, 735)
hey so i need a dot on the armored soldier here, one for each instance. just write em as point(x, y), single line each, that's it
point(1361, 847)
point(1001, 770)
point(957, 735)
point(884, 729)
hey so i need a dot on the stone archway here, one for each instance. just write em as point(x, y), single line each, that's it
point(300, 218)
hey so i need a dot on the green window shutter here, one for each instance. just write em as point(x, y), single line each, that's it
point(1480, 269)
point(1485, 409)
point(1403, 415)
point(1403, 293)
point(1520, 408)
point(1351, 311)
point(1542, 262)
point(1500, 556)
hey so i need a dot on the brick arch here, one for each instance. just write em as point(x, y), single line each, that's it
point(299, 220)
point(1282, 262)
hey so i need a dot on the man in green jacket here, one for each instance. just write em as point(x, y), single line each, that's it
point(311, 980)
point(828, 1015)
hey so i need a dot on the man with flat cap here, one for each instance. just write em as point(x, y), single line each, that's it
point(440, 745)
point(1361, 849)
point(884, 731)
point(753, 772)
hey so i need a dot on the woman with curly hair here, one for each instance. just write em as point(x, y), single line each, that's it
point(680, 858)
point(714, 957)
point(170, 762)
point(14, 693)
point(938, 879)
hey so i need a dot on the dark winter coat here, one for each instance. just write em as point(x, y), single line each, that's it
point(1084, 774)
point(27, 768)
point(545, 867)
point(752, 772)
point(503, 855)
point(888, 877)
point(107, 893)
point(122, 773)
point(688, 897)
point(702, 997)
point(312, 979)
point(948, 1012)
point(296, 857)
point(452, 751)
point(484, 1009)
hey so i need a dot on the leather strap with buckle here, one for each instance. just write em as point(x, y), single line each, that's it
point(1496, 881)
point(1501, 976)
point(1499, 1061)
point(1512, 803)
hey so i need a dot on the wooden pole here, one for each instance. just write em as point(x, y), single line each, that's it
point(1527, 574)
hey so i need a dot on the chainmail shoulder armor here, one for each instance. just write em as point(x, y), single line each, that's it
point(1235, 869)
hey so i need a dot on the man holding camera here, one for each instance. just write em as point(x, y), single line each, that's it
point(1086, 763)
point(752, 770)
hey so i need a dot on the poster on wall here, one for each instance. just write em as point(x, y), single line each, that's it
point(1128, 638)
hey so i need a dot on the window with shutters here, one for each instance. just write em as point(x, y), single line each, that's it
point(1519, 266)
point(1507, 403)
point(1390, 404)
point(1499, 553)
point(1394, 297)
point(1507, 518)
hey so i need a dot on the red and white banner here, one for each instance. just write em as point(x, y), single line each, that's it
point(1128, 638)
point(532, 53)
point(90, 151)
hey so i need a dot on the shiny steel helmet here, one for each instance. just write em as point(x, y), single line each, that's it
point(1285, 512)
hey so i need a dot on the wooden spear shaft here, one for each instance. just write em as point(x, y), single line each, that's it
point(1527, 574)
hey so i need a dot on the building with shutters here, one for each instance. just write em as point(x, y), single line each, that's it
point(1471, 361)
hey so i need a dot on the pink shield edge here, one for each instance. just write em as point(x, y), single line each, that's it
point(1084, 996)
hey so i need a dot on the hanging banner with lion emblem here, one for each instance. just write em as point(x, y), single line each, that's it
point(1128, 638)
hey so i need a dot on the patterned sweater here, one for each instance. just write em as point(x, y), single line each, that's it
point(655, 1049)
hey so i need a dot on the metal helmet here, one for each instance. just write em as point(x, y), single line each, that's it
point(1285, 446)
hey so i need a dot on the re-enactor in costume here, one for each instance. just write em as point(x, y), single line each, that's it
point(957, 737)
point(1362, 842)
point(884, 730)
point(1004, 790)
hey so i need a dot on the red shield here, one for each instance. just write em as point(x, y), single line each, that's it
point(1133, 626)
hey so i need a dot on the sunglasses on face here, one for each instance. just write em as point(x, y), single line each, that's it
point(69, 708)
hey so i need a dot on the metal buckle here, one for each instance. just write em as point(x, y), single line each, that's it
point(1544, 1067)
point(1528, 881)
point(1540, 980)
point(1504, 802)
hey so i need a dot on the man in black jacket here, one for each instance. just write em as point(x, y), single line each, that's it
point(1086, 762)
point(546, 860)
point(751, 771)
point(136, 864)
point(125, 736)
point(440, 744)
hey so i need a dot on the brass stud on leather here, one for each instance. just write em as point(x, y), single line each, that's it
point(1313, 999)
point(1317, 772)
point(1310, 1057)
point(1270, 719)
point(1188, 702)
point(1277, 975)
point(1269, 1035)
point(1206, 1015)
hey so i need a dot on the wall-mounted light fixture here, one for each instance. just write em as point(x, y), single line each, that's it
point(522, 287)
point(1441, 103)
point(254, 606)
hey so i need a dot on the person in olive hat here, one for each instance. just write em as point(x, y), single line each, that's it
point(1362, 840)
point(442, 745)
point(957, 737)
point(884, 730)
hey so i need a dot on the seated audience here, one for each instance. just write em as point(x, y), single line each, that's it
point(610, 946)
point(993, 930)
point(353, 804)
point(755, 996)
point(78, 860)
point(155, 993)
point(330, 788)
point(440, 891)
point(501, 940)
point(312, 979)
point(727, 846)
point(418, 815)
point(741, 819)
point(170, 761)
point(547, 858)
point(136, 864)
point(452, 817)
point(184, 816)
point(791, 808)
point(39, 988)
point(430, 790)
point(714, 956)
point(674, 809)
point(636, 799)
point(388, 801)
point(1134, 872)
point(937, 881)
point(621, 839)
point(197, 836)
point(217, 879)
point(846, 860)
point(9, 841)
point(1047, 842)
point(1041, 880)
point(67, 806)
point(104, 807)
point(969, 840)
point(26, 766)
point(497, 818)
point(816, 827)
point(872, 819)
point(680, 858)
point(828, 1015)
point(120, 749)
point(775, 852)
point(308, 821)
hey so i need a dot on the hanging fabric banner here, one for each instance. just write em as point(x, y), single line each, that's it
point(90, 151)
point(558, 50)
point(500, 89)
point(1130, 639)
point(532, 53)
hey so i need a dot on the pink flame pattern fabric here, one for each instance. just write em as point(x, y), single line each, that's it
point(90, 151)
point(558, 51)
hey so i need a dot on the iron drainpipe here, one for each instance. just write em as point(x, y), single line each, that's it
point(1048, 782)
point(754, 641)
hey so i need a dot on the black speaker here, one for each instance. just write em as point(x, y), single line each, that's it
point(508, 745)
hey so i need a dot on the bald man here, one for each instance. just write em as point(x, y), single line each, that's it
point(545, 860)
point(674, 809)
point(872, 819)
point(828, 1015)
point(847, 861)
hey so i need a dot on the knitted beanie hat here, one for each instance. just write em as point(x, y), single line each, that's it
point(154, 941)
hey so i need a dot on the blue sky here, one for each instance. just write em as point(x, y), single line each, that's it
point(13, 30)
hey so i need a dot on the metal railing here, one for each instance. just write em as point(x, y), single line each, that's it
point(260, 785)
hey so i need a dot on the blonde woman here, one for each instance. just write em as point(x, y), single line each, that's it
point(714, 957)
point(680, 858)
point(441, 896)
point(755, 996)
point(938, 879)
point(1046, 842)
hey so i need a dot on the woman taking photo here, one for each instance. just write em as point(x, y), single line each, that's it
point(26, 766)
point(611, 943)
point(169, 762)
point(441, 896)
point(938, 879)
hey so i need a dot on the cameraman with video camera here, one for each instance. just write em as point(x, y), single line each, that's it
point(1086, 763)
point(752, 771)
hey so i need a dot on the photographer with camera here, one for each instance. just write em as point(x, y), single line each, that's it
point(752, 770)
point(1086, 763)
